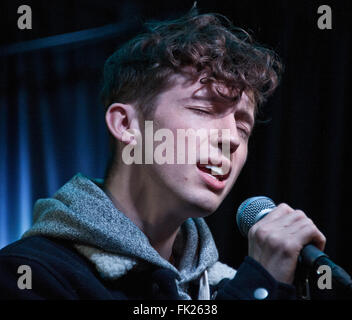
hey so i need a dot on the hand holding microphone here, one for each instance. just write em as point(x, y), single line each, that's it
point(275, 240)
point(278, 239)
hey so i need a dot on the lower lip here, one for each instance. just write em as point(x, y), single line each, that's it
point(212, 182)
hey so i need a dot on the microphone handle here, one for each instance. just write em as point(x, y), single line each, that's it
point(314, 258)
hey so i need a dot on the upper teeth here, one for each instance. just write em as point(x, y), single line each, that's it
point(215, 170)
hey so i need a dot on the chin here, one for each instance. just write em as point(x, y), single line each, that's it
point(203, 206)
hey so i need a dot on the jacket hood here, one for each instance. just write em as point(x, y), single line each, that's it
point(82, 212)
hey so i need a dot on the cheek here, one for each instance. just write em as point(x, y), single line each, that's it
point(239, 159)
point(244, 156)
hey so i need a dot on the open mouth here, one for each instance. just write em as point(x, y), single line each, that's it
point(215, 171)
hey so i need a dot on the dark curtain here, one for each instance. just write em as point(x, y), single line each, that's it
point(52, 122)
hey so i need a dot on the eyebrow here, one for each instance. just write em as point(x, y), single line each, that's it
point(244, 113)
point(247, 117)
point(217, 99)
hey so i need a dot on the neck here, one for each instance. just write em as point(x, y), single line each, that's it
point(133, 196)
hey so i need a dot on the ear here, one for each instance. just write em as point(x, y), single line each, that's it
point(122, 121)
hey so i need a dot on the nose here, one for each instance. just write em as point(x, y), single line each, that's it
point(225, 140)
point(227, 135)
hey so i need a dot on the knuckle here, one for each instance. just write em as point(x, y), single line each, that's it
point(261, 233)
point(310, 228)
point(310, 224)
point(310, 221)
point(290, 248)
point(274, 241)
point(285, 207)
point(301, 215)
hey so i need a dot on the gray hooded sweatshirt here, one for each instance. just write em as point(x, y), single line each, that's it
point(82, 212)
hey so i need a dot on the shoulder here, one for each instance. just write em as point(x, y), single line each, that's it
point(55, 268)
point(47, 251)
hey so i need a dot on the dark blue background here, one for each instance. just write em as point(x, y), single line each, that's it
point(52, 122)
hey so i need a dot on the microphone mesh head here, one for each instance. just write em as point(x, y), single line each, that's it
point(249, 210)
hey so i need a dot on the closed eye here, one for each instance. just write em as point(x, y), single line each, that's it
point(243, 132)
point(200, 111)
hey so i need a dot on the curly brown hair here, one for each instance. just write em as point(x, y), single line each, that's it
point(141, 69)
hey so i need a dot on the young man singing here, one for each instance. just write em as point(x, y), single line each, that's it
point(140, 233)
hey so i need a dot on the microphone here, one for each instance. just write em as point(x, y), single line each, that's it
point(256, 208)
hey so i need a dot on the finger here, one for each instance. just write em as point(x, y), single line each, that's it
point(272, 222)
point(296, 229)
point(305, 231)
point(306, 224)
point(311, 234)
point(280, 211)
point(295, 219)
point(282, 219)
